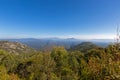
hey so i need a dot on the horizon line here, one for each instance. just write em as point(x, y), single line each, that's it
point(59, 38)
point(88, 37)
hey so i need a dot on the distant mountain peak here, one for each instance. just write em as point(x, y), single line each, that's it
point(71, 38)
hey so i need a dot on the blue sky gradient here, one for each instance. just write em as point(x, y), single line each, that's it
point(59, 18)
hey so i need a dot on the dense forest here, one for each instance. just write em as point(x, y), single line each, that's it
point(78, 63)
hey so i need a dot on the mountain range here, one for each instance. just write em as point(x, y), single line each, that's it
point(49, 43)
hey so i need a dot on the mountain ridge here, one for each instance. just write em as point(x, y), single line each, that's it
point(48, 43)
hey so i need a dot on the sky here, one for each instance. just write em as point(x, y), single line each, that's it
point(82, 19)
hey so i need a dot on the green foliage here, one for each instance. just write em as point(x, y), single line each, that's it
point(5, 76)
point(60, 56)
point(8, 60)
point(59, 64)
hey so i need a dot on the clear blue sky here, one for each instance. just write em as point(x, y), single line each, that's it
point(58, 18)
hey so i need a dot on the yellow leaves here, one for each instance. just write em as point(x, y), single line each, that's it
point(3, 73)
point(94, 65)
point(5, 76)
point(14, 77)
point(31, 76)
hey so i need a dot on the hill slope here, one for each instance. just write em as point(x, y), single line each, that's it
point(84, 47)
point(15, 47)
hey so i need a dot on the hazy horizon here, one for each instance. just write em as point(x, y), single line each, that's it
point(65, 37)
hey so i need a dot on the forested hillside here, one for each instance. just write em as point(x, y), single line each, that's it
point(60, 64)
point(84, 47)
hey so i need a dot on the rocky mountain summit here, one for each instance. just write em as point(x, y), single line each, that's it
point(15, 47)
